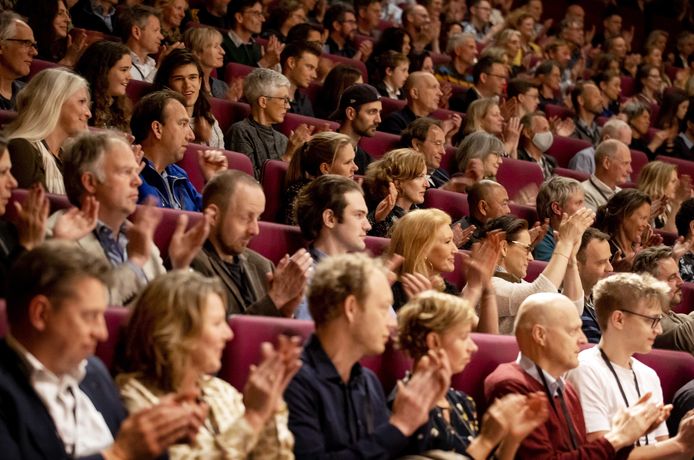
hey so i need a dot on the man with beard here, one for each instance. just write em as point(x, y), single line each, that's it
point(246, 20)
point(359, 114)
point(341, 24)
point(587, 103)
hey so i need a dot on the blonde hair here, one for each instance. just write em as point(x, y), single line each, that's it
point(430, 311)
point(654, 178)
point(396, 165)
point(40, 102)
point(165, 321)
point(505, 36)
point(412, 238)
point(478, 110)
point(196, 38)
point(321, 148)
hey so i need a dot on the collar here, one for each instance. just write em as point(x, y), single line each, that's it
point(502, 273)
point(531, 368)
point(600, 185)
point(137, 61)
point(103, 229)
point(582, 124)
point(169, 171)
point(98, 9)
point(209, 248)
point(256, 125)
point(316, 254)
point(237, 41)
point(325, 368)
point(688, 142)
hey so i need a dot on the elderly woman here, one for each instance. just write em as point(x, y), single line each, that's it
point(325, 153)
point(206, 44)
point(438, 323)
point(394, 185)
point(482, 151)
point(660, 182)
point(485, 115)
point(53, 107)
point(174, 342)
point(267, 92)
point(516, 253)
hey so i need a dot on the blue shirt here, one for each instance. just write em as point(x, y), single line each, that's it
point(331, 419)
point(584, 160)
point(172, 188)
point(545, 248)
point(590, 322)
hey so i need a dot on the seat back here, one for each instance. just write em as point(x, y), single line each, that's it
point(559, 111)
point(453, 203)
point(524, 212)
point(7, 116)
point(535, 267)
point(391, 105)
point(517, 174)
point(448, 159)
point(272, 180)
point(37, 65)
point(56, 202)
point(357, 64)
point(375, 245)
point(191, 166)
point(564, 149)
point(235, 70)
point(136, 89)
point(379, 144)
point(227, 113)
point(683, 166)
point(638, 161)
point(167, 226)
point(276, 240)
point(292, 120)
point(565, 172)
point(116, 320)
point(687, 303)
point(628, 87)
point(674, 368)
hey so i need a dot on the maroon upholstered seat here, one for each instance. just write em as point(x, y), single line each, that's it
point(37, 65)
point(564, 149)
point(683, 166)
point(292, 120)
point(524, 212)
point(190, 164)
point(116, 318)
point(227, 113)
point(516, 174)
point(272, 180)
point(535, 267)
point(375, 245)
point(136, 89)
point(453, 203)
point(276, 240)
point(165, 229)
point(552, 110)
point(565, 172)
point(357, 64)
point(687, 303)
point(674, 368)
point(379, 144)
point(57, 202)
point(7, 116)
point(3, 319)
point(390, 106)
point(236, 70)
point(638, 161)
point(628, 87)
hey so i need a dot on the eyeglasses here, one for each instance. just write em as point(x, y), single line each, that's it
point(24, 42)
point(257, 14)
point(503, 77)
point(526, 247)
point(655, 320)
point(286, 100)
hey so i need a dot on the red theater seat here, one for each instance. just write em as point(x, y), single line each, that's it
point(7, 116)
point(535, 267)
point(379, 144)
point(357, 64)
point(276, 240)
point(57, 202)
point(565, 172)
point(524, 212)
point(391, 105)
point(564, 149)
point(37, 65)
point(227, 113)
point(375, 245)
point(136, 89)
point(687, 303)
point(272, 180)
point(638, 161)
point(292, 120)
point(628, 87)
point(116, 319)
point(190, 164)
point(552, 110)
point(683, 166)
point(3, 319)
point(165, 229)
point(517, 174)
point(236, 70)
point(674, 368)
point(453, 203)
point(448, 160)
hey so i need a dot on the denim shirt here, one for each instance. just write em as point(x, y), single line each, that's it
point(183, 194)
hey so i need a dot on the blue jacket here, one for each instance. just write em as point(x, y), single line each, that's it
point(185, 195)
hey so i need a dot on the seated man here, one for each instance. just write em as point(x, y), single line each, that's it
point(234, 201)
point(426, 136)
point(211, 13)
point(557, 196)
point(584, 160)
point(15, 58)
point(463, 51)
point(608, 378)
point(58, 401)
point(101, 167)
point(684, 221)
point(267, 92)
point(246, 19)
point(160, 124)
point(486, 200)
point(337, 408)
point(489, 76)
point(525, 94)
point(548, 331)
point(299, 61)
point(341, 24)
point(587, 103)
point(612, 167)
point(593, 262)
point(98, 15)
point(678, 328)
point(536, 138)
point(141, 32)
point(359, 114)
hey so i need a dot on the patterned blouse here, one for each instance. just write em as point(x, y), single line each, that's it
point(225, 434)
point(687, 267)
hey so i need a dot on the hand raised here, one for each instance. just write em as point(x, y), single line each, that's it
point(77, 223)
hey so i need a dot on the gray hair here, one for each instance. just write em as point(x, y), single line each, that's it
point(8, 24)
point(477, 145)
point(613, 127)
point(633, 109)
point(558, 189)
point(607, 149)
point(457, 40)
point(262, 82)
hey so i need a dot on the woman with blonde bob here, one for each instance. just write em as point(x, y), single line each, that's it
point(52, 107)
point(485, 115)
point(325, 153)
point(667, 191)
point(206, 44)
point(174, 342)
point(394, 185)
point(437, 323)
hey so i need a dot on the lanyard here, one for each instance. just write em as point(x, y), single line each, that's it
point(598, 189)
point(562, 403)
point(619, 384)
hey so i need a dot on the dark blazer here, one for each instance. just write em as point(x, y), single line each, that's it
point(256, 268)
point(27, 430)
point(83, 16)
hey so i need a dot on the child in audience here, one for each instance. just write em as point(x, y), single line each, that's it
point(391, 74)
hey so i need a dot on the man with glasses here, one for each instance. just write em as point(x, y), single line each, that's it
point(426, 136)
point(341, 24)
point(246, 20)
point(489, 77)
point(479, 25)
point(629, 310)
point(678, 328)
point(17, 51)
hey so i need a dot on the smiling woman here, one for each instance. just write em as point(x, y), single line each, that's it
point(50, 22)
point(173, 13)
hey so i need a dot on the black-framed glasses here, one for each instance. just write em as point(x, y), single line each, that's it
point(286, 100)
point(526, 247)
point(655, 320)
point(503, 77)
point(24, 42)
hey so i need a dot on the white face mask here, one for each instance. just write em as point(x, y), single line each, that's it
point(543, 141)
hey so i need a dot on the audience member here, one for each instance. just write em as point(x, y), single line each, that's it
point(593, 261)
point(53, 107)
point(479, 25)
point(18, 51)
point(267, 92)
point(142, 35)
point(671, 118)
point(536, 138)
point(524, 94)
point(548, 73)
point(212, 13)
point(587, 103)
point(682, 404)
point(426, 136)
point(97, 15)
point(648, 85)
point(684, 221)
point(392, 39)
point(685, 48)
point(667, 191)
point(173, 13)
point(639, 118)
point(245, 20)
point(299, 63)
point(558, 197)
point(368, 17)
point(324, 153)
point(180, 71)
point(489, 77)
point(106, 67)
point(341, 25)
point(160, 123)
point(481, 152)
point(206, 44)
point(340, 77)
point(283, 15)
point(349, 299)
point(418, 25)
point(423, 93)
point(234, 202)
point(604, 376)
point(548, 331)
point(485, 115)
point(359, 114)
point(394, 185)
point(390, 74)
point(55, 311)
point(174, 342)
point(584, 160)
point(486, 200)
point(463, 51)
point(610, 85)
point(612, 167)
point(511, 289)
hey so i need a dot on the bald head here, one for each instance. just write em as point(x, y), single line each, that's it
point(544, 309)
point(423, 92)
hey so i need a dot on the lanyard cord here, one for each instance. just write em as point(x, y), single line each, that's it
point(562, 403)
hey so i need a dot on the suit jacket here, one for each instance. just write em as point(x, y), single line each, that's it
point(256, 268)
point(27, 430)
point(10, 250)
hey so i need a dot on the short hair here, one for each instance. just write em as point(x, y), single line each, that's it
point(321, 148)
point(604, 76)
point(477, 145)
point(389, 59)
point(457, 40)
point(480, 192)
point(545, 68)
point(239, 6)
point(620, 206)
point(336, 12)
point(607, 149)
point(428, 312)
point(634, 109)
point(642, 74)
point(417, 130)
point(262, 82)
point(509, 224)
point(626, 289)
point(300, 32)
point(50, 270)
point(85, 153)
point(150, 109)
point(646, 260)
point(221, 188)
point(684, 217)
point(578, 91)
point(322, 193)
point(654, 177)
point(335, 279)
point(163, 327)
point(557, 189)
point(8, 24)
point(553, 45)
point(589, 235)
point(484, 65)
point(196, 38)
point(526, 120)
point(296, 50)
point(398, 164)
point(519, 86)
point(612, 128)
point(134, 16)
point(477, 110)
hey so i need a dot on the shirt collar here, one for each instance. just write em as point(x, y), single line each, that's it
point(601, 185)
point(531, 368)
point(149, 60)
point(236, 40)
point(323, 364)
point(99, 10)
point(103, 229)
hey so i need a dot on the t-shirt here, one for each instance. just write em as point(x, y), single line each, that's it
point(600, 395)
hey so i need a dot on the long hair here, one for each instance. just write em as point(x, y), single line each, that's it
point(620, 206)
point(40, 15)
point(39, 103)
point(396, 165)
point(94, 65)
point(654, 178)
point(667, 115)
point(341, 77)
point(321, 148)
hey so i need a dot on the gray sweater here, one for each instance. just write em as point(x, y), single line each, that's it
point(258, 142)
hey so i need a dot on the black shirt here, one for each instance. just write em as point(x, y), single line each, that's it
point(348, 51)
point(396, 122)
point(301, 104)
point(9, 104)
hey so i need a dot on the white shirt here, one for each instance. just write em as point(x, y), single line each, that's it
point(143, 70)
point(597, 192)
point(531, 368)
point(600, 395)
point(81, 427)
